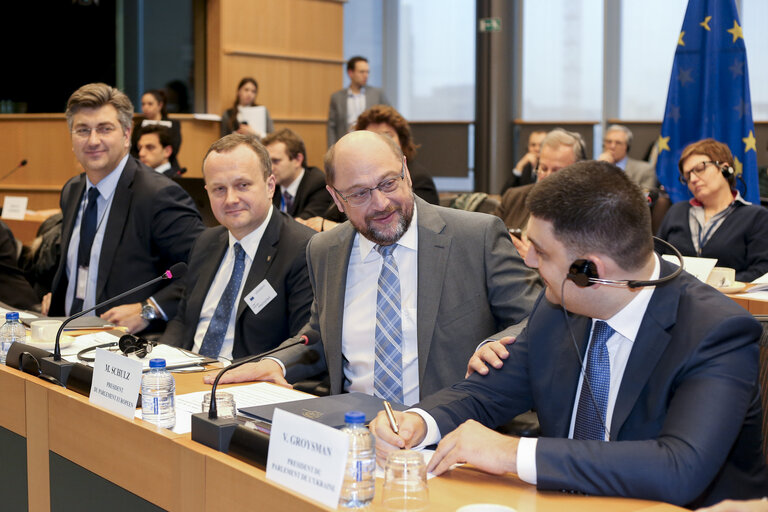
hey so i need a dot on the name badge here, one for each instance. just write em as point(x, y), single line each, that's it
point(82, 282)
point(260, 296)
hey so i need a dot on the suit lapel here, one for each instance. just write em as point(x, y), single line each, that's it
point(208, 268)
point(565, 371)
point(333, 274)
point(72, 201)
point(118, 216)
point(434, 247)
point(263, 259)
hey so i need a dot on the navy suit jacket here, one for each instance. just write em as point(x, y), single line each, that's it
point(312, 199)
point(280, 259)
point(152, 225)
point(686, 424)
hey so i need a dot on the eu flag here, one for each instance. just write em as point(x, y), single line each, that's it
point(709, 96)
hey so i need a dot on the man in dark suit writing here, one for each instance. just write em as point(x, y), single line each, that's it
point(123, 224)
point(665, 405)
point(247, 288)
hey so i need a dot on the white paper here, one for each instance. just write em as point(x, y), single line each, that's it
point(116, 383)
point(763, 279)
point(307, 457)
point(256, 117)
point(22, 315)
point(697, 267)
point(14, 207)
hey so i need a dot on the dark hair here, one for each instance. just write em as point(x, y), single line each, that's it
point(390, 116)
point(161, 98)
point(330, 156)
point(163, 133)
point(233, 140)
point(97, 95)
point(593, 206)
point(713, 149)
point(245, 80)
point(294, 146)
point(351, 63)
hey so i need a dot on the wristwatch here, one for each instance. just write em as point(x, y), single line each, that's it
point(148, 311)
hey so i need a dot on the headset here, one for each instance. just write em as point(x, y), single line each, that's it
point(128, 344)
point(584, 273)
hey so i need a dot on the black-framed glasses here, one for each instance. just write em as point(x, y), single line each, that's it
point(697, 169)
point(362, 196)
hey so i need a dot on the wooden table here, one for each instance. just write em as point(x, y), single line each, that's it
point(78, 456)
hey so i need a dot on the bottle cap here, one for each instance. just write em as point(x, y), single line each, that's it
point(13, 315)
point(157, 363)
point(354, 417)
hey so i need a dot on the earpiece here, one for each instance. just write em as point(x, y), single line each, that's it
point(727, 171)
point(581, 272)
point(135, 344)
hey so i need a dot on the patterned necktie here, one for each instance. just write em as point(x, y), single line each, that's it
point(590, 422)
point(388, 369)
point(217, 329)
point(87, 234)
point(287, 202)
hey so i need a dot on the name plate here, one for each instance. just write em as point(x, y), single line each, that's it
point(14, 207)
point(116, 382)
point(307, 457)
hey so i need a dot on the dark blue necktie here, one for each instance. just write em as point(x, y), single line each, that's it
point(590, 416)
point(217, 329)
point(87, 233)
point(287, 202)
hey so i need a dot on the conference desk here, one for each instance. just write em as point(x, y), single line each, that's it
point(59, 452)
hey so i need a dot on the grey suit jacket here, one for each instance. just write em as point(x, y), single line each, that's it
point(472, 285)
point(641, 173)
point(337, 112)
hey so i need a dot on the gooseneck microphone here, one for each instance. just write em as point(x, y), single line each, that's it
point(60, 369)
point(308, 338)
point(21, 164)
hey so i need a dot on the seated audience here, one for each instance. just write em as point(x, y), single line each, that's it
point(524, 172)
point(616, 144)
point(155, 150)
point(154, 112)
point(717, 222)
point(15, 290)
point(231, 121)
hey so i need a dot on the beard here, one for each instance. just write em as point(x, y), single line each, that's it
point(391, 233)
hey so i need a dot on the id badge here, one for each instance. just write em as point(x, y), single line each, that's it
point(82, 282)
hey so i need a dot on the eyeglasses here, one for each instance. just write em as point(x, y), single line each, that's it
point(102, 130)
point(697, 169)
point(362, 196)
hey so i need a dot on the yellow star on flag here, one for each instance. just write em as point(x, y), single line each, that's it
point(736, 31)
point(738, 166)
point(663, 143)
point(749, 142)
point(680, 41)
point(705, 23)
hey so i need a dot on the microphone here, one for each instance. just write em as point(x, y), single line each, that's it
point(308, 338)
point(22, 164)
point(60, 370)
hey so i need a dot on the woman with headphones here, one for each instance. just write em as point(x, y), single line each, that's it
point(717, 222)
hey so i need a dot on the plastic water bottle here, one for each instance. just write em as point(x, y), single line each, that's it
point(158, 395)
point(11, 331)
point(359, 476)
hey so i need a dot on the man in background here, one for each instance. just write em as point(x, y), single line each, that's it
point(616, 144)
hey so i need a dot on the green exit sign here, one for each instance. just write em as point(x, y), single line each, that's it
point(489, 24)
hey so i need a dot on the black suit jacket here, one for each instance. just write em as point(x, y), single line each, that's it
point(152, 225)
point(312, 199)
point(686, 424)
point(15, 290)
point(280, 259)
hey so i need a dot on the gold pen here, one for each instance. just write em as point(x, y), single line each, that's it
point(391, 417)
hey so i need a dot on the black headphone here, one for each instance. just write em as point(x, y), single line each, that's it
point(584, 273)
point(128, 344)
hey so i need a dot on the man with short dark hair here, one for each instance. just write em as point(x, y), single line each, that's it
point(348, 104)
point(123, 224)
point(404, 291)
point(642, 390)
point(300, 189)
point(155, 150)
point(247, 288)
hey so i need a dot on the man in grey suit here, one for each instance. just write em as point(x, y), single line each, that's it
point(457, 282)
point(616, 144)
point(348, 104)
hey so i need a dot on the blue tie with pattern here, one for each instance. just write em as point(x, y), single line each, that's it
point(388, 369)
point(217, 329)
point(590, 422)
point(88, 227)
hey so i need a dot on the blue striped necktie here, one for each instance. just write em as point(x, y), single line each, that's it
point(388, 369)
point(590, 421)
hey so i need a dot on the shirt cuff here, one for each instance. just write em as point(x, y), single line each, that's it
point(433, 431)
point(483, 343)
point(158, 308)
point(278, 362)
point(526, 459)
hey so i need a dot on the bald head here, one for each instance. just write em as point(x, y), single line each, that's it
point(359, 146)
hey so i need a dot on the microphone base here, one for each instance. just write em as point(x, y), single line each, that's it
point(59, 370)
point(227, 435)
point(215, 434)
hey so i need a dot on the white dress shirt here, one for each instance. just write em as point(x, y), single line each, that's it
point(359, 325)
point(160, 169)
point(250, 244)
point(626, 324)
point(106, 188)
point(355, 107)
